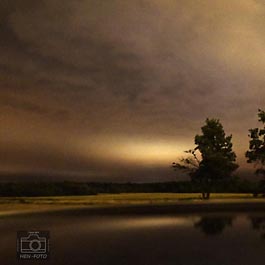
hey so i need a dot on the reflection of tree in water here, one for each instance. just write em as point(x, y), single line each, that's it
point(213, 225)
point(258, 223)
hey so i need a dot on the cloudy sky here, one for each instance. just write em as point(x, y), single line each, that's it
point(116, 90)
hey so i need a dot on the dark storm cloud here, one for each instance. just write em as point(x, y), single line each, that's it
point(44, 156)
point(23, 105)
point(27, 106)
point(57, 46)
point(50, 54)
point(114, 71)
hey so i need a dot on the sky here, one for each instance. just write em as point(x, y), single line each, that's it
point(116, 90)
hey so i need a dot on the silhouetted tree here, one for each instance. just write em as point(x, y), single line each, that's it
point(256, 152)
point(215, 161)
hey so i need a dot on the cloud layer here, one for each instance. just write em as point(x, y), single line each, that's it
point(89, 78)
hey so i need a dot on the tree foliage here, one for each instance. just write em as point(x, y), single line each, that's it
point(213, 158)
point(256, 152)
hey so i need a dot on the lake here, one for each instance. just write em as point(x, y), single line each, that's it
point(82, 237)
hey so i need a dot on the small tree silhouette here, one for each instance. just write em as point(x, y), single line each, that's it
point(216, 160)
point(256, 152)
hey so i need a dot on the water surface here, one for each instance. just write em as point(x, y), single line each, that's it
point(142, 239)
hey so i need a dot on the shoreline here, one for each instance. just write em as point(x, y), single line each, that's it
point(211, 206)
point(165, 209)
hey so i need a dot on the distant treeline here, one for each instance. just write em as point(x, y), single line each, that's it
point(77, 188)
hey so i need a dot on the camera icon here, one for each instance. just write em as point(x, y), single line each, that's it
point(33, 245)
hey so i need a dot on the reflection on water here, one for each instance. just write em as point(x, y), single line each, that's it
point(258, 223)
point(143, 239)
point(154, 222)
point(213, 225)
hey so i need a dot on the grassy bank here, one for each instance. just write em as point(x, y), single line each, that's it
point(123, 198)
point(32, 204)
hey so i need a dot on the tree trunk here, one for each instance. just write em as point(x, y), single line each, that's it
point(206, 195)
